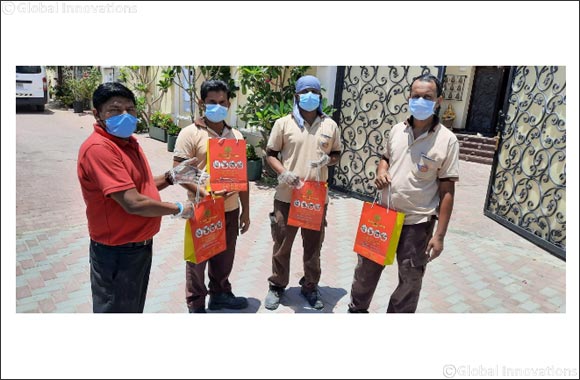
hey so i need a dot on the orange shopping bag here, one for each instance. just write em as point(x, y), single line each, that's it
point(307, 205)
point(227, 164)
point(379, 230)
point(205, 232)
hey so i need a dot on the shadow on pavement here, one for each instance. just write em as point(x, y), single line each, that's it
point(32, 110)
point(330, 297)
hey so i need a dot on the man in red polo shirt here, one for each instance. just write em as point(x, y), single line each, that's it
point(124, 209)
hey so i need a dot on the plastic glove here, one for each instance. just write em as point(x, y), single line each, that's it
point(290, 179)
point(187, 211)
point(323, 161)
point(188, 172)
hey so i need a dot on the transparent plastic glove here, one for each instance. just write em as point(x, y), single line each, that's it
point(290, 179)
point(323, 161)
point(188, 172)
point(187, 208)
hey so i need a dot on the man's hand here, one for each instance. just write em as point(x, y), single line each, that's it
point(435, 247)
point(323, 161)
point(186, 210)
point(290, 179)
point(188, 172)
point(244, 221)
point(382, 180)
point(224, 193)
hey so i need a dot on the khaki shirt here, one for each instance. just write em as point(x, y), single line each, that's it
point(300, 146)
point(415, 166)
point(192, 142)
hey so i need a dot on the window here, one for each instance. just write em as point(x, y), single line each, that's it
point(28, 70)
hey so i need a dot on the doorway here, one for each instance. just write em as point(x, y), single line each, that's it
point(487, 99)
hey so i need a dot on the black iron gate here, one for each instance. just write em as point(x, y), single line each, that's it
point(369, 100)
point(527, 189)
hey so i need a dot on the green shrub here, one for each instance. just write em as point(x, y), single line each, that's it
point(251, 153)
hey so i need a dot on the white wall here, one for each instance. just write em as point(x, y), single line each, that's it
point(460, 106)
point(327, 76)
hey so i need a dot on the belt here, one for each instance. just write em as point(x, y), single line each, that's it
point(128, 245)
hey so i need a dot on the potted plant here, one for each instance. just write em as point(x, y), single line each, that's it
point(172, 132)
point(82, 89)
point(159, 124)
point(76, 88)
point(89, 82)
point(254, 163)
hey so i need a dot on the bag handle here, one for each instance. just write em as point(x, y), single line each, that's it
point(379, 197)
point(223, 139)
point(317, 173)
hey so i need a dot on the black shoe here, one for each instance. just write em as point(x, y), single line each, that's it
point(227, 301)
point(313, 298)
point(272, 300)
point(357, 311)
point(198, 310)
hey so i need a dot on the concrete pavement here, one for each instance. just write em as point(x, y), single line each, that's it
point(484, 268)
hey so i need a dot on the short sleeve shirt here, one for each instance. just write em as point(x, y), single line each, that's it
point(298, 146)
point(107, 164)
point(416, 166)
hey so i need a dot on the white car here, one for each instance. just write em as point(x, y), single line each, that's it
point(31, 86)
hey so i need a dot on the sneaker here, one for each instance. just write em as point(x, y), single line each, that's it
point(198, 310)
point(313, 298)
point(227, 301)
point(272, 300)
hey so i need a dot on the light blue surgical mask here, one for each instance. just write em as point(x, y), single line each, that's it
point(122, 125)
point(421, 108)
point(215, 113)
point(309, 101)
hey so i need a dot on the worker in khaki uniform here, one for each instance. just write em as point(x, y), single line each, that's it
point(300, 147)
point(421, 166)
point(192, 142)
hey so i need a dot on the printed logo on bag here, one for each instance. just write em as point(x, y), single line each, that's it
point(206, 217)
point(376, 230)
point(308, 201)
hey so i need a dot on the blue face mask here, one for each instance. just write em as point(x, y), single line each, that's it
point(421, 108)
point(309, 101)
point(215, 113)
point(122, 125)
